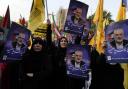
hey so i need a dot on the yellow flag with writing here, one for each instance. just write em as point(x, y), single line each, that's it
point(37, 14)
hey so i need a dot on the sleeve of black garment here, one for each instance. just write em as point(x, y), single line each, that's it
point(49, 35)
point(23, 65)
point(22, 68)
point(46, 69)
point(94, 57)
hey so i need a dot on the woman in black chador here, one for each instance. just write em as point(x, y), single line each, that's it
point(37, 64)
point(60, 65)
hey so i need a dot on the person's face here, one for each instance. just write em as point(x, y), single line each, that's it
point(78, 56)
point(37, 47)
point(78, 13)
point(63, 43)
point(118, 35)
point(20, 39)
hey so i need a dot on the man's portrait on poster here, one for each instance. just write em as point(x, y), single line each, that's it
point(77, 62)
point(117, 42)
point(16, 43)
point(76, 18)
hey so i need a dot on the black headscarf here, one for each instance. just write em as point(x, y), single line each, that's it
point(32, 60)
point(41, 42)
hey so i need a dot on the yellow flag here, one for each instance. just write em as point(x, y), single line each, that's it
point(105, 22)
point(37, 14)
point(97, 14)
point(122, 16)
point(121, 13)
point(99, 38)
point(125, 67)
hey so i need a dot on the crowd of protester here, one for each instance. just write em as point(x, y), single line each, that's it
point(43, 67)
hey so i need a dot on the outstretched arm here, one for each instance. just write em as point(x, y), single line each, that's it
point(49, 34)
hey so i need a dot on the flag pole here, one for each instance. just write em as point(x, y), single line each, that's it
point(47, 9)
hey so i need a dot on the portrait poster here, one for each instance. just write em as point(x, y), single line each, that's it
point(16, 43)
point(117, 42)
point(77, 61)
point(76, 17)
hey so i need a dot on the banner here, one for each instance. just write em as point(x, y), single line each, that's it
point(77, 60)
point(37, 15)
point(16, 42)
point(76, 17)
point(117, 42)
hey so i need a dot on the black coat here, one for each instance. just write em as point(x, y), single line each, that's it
point(32, 62)
point(60, 65)
point(40, 64)
point(59, 68)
